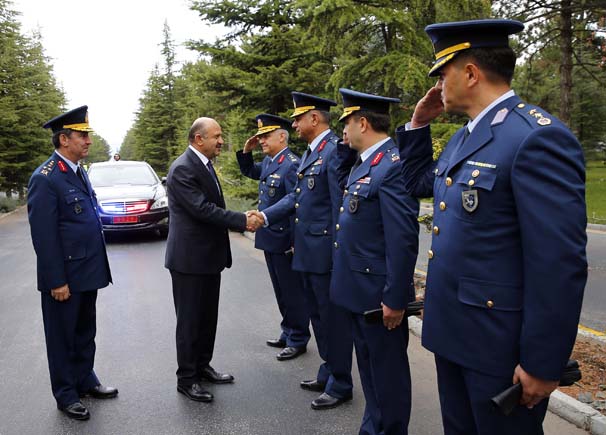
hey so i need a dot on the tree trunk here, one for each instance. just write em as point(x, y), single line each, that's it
point(565, 61)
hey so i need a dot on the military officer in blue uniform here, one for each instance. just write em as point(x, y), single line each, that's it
point(375, 251)
point(72, 262)
point(314, 204)
point(277, 175)
point(507, 264)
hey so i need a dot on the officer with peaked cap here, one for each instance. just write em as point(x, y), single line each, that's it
point(314, 204)
point(72, 262)
point(375, 270)
point(507, 264)
point(277, 175)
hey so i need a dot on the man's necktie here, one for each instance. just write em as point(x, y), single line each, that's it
point(354, 167)
point(306, 155)
point(213, 174)
point(81, 176)
point(459, 145)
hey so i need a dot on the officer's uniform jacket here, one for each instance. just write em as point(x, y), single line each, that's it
point(507, 263)
point(277, 178)
point(66, 229)
point(314, 202)
point(376, 238)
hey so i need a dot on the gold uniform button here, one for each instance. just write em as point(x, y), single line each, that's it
point(337, 227)
point(521, 105)
point(336, 245)
point(298, 190)
point(490, 304)
point(296, 220)
point(471, 182)
point(296, 205)
point(448, 181)
point(442, 206)
point(341, 210)
point(300, 176)
point(436, 230)
point(430, 254)
point(475, 173)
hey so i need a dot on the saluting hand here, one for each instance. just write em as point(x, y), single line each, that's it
point(61, 293)
point(391, 318)
point(533, 389)
point(428, 107)
point(251, 143)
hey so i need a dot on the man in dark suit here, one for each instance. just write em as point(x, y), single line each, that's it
point(72, 263)
point(277, 175)
point(197, 250)
point(507, 262)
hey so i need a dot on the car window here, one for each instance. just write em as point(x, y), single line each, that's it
point(115, 175)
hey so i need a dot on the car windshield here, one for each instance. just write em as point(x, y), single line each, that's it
point(114, 175)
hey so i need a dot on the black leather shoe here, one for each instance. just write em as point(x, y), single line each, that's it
point(211, 375)
point(195, 392)
point(76, 411)
point(313, 385)
point(276, 343)
point(101, 392)
point(326, 401)
point(290, 353)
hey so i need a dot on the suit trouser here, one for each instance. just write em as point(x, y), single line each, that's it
point(288, 287)
point(196, 299)
point(70, 328)
point(385, 376)
point(466, 408)
point(333, 332)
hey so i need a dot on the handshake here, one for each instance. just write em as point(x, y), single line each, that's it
point(254, 220)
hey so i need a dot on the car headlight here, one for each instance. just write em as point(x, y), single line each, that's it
point(160, 203)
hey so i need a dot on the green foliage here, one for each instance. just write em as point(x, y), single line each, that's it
point(98, 151)
point(9, 204)
point(596, 191)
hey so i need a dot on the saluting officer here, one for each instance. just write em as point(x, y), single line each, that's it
point(72, 262)
point(277, 175)
point(375, 270)
point(314, 203)
point(507, 263)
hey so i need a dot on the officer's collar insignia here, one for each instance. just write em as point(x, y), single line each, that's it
point(62, 166)
point(281, 159)
point(377, 159)
point(46, 169)
point(500, 116)
point(365, 180)
point(470, 200)
point(322, 145)
point(480, 164)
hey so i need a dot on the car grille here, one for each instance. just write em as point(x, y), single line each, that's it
point(124, 207)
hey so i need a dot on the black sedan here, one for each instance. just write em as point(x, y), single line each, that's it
point(130, 195)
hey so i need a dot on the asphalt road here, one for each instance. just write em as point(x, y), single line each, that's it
point(136, 353)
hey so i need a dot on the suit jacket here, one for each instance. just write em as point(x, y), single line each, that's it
point(377, 237)
point(507, 264)
point(314, 203)
point(198, 239)
point(276, 178)
point(66, 230)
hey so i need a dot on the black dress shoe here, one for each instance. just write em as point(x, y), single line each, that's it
point(290, 353)
point(101, 392)
point(326, 401)
point(195, 392)
point(76, 410)
point(276, 343)
point(313, 385)
point(211, 375)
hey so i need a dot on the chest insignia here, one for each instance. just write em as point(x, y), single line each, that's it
point(271, 192)
point(311, 183)
point(77, 208)
point(353, 204)
point(470, 200)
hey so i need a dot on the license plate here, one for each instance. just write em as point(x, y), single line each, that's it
point(125, 219)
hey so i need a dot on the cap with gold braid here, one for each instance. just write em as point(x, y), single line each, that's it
point(76, 119)
point(267, 123)
point(449, 39)
point(305, 102)
point(354, 101)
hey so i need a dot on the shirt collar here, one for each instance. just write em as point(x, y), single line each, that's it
point(472, 124)
point(314, 143)
point(200, 155)
point(279, 152)
point(71, 164)
point(368, 152)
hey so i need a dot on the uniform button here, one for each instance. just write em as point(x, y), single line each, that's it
point(336, 245)
point(430, 254)
point(475, 173)
point(298, 190)
point(358, 187)
point(490, 304)
point(341, 210)
point(261, 192)
point(296, 205)
point(325, 231)
point(436, 230)
point(259, 201)
point(337, 227)
point(435, 171)
point(367, 270)
point(448, 181)
point(264, 182)
point(300, 176)
point(521, 105)
point(69, 257)
point(471, 182)
point(281, 229)
point(296, 220)
point(442, 205)
point(346, 192)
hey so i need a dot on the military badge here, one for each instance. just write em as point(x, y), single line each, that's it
point(322, 145)
point(377, 159)
point(271, 192)
point(311, 183)
point(544, 121)
point(365, 180)
point(77, 208)
point(470, 200)
point(353, 204)
point(281, 159)
point(500, 116)
point(62, 166)
point(395, 157)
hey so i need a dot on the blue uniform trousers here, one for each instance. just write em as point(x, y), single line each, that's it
point(333, 332)
point(466, 408)
point(385, 376)
point(288, 287)
point(70, 328)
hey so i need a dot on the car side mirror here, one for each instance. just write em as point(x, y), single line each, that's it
point(164, 181)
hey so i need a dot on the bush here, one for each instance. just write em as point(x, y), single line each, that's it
point(8, 204)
